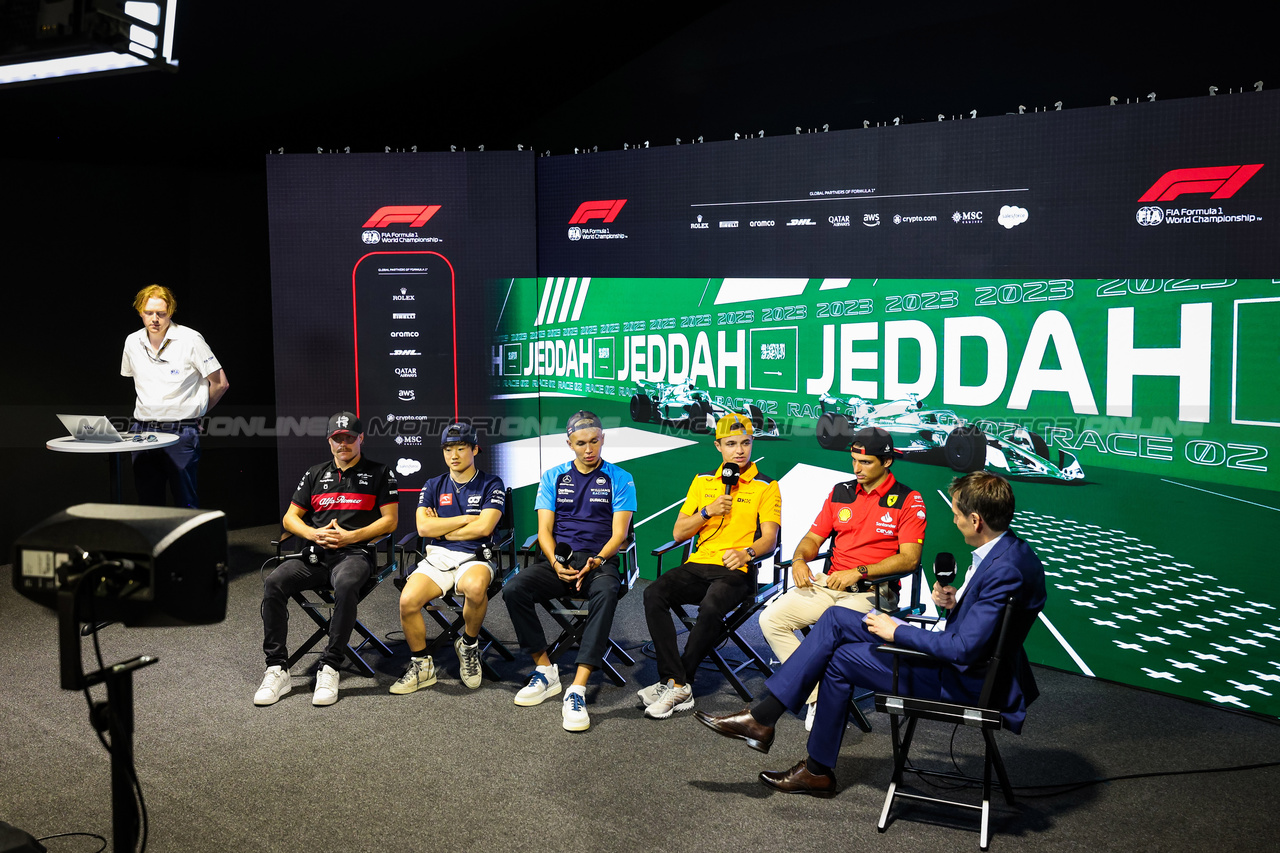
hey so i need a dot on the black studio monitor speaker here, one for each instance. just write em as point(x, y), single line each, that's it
point(138, 565)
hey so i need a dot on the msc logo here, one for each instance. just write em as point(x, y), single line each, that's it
point(607, 210)
point(414, 215)
point(1222, 181)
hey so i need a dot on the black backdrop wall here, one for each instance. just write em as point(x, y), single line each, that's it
point(113, 183)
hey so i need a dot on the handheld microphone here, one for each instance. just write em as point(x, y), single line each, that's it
point(563, 553)
point(569, 557)
point(729, 475)
point(944, 568)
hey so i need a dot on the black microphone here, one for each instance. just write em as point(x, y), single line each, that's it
point(729, 475)
point(563, 553)
point(569, 557)
point(944, 568)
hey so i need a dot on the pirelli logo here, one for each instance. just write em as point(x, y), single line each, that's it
point(1222, 181)
point(607, 210)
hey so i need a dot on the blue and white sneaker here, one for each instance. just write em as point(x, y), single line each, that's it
point(574, 711)
point(543, 684)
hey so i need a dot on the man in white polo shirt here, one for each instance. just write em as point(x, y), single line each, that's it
point(177, 379)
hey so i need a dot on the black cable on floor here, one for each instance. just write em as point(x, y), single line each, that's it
point(85, 834)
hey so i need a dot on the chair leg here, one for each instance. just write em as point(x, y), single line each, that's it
point(855, 713)
point(993, 751)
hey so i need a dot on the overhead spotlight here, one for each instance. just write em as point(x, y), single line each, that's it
point(1151, 96)
point(1057, 105)
point(1213, 90)
point(42, 40)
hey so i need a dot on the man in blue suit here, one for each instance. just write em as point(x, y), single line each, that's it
point(843, 651)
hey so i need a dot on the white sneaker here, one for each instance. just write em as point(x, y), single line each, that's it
point(574, 711)
point(543, 684)
point(649, 695)
point(326, 686)
point(468, 662)
point(420, 673)
point(672, 699)
point(811, 709)
point(275, 684)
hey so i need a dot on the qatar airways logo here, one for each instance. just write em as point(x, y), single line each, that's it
point(607, 210)
point(1221, 181)
point(415, 216)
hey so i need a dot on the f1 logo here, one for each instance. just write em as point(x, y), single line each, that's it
point(1222, 181)
point(606, 210)
point(415, 215)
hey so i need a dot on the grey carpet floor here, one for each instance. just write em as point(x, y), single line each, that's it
point(452, 769)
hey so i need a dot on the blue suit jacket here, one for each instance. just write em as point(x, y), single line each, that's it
point(1011, 568)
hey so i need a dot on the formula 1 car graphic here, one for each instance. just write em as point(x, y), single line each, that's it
point(941, 437)
point(685, 405)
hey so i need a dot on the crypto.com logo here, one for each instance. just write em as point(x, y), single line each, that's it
point(607, 210)
point(1222, 181)
point(414, 215)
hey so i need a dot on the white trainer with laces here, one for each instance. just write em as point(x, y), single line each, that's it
point(649, 695)
point(420, 673)
point(468, 662)
point(326, 686)
point(275, 684)
point(672, 699)
point(543, 684)
point(574, 711)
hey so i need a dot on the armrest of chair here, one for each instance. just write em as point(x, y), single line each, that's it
point(669, 547)
point(873, 584)
point(786, 564)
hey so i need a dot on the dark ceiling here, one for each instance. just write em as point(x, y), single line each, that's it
point(556, 75)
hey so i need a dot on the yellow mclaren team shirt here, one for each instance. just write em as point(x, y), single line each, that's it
point(756, 499)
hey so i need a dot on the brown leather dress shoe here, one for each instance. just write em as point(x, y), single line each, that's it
point(798, 780)
point(741, 726)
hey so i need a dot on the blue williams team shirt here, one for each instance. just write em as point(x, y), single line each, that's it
point(584, 504)
point(451, 499)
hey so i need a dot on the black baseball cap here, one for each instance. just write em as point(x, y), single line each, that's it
point(344, 422)
point(874, 441)
point(459, 433)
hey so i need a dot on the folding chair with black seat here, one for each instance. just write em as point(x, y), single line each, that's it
point(446, 610)
point(733, 621)
point(570, 612)
point(982, 714)
point(914, 608)
point(387, 558)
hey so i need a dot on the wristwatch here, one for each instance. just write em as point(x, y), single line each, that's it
point(703, 511)
point(862, 570)
point(751, 552)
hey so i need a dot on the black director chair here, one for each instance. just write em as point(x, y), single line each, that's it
point(982, 714)
point(386, 560)
point(913, 608)
point(763, 592)
point(570, 612)
point(446, 610)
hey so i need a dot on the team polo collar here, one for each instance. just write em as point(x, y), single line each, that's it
point(749, 473)
point(884, 486)
point(158, 355)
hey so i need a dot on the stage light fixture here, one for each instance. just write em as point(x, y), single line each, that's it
point(44, 40)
